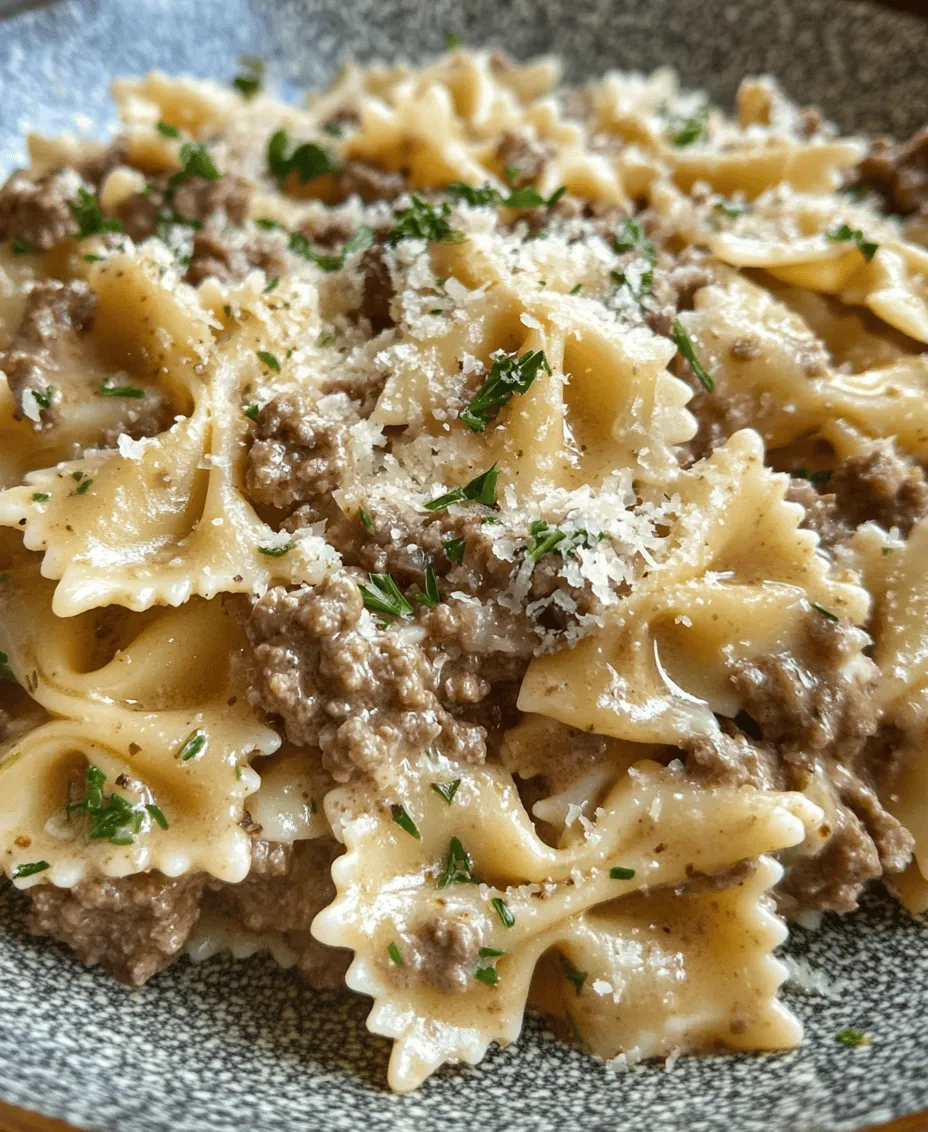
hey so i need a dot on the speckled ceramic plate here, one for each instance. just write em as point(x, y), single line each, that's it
point(219, 1048)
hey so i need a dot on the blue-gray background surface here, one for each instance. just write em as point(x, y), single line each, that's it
point(222, 1049)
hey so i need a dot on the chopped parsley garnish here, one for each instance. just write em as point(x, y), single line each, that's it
point(452, 41)
point(422, 221)
point(92, 258)
point(887, 550)
point(360, 241)
point(685, 346)
point(43, 397)
point(576, 290)
point(487, 975)
point(396, 956)
point(20, 246)
point(511, 173)
point(503, 910)
point(631, 237)
point(544, 539)
point(6, 673)
point(269, 359)
point(447, 790)
point(432, 595)
point(845, 234)
point(83, 487)
point(823, 611)
point(482, 489)
point(195, 161)
point(112, 818)
point(158, 814)
point(458, 867)
point(193, 745)
point(384, 596)
point(365, 517)
point(167, 131)
point(691, 129)
point(308, 160)
point(77, 475)
point(326, 338)
point(90, 219)
point(620, 872)
point(334, 129)
point(490, 953)
point(252, 411)
point(272, 284)
point(810, 475)
point(267, 223)
point(509, 375)
point(573, 974)
point(277, 551)
point(405, 822)
point(853, 1037)
point(40, 497)
point(249, 83)
point(30, 869)
point(518, 198)
point(121, 391)
point(730, 208)
point(454, 550)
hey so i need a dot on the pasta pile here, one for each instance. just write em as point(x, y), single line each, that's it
point(464, 536)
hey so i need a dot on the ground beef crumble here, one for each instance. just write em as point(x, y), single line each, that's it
point(443, 952)
point(899, 170)
point(53, 309)
point(39, 211)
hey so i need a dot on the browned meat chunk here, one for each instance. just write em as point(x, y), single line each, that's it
point(443, 952)
point(132, 926)
point(522, 159)
point(377, 289)
point(225, 255)
point(39, 212)
point(899, 171)
point(676, 281)
point(369, 182)
point(365, 700)
point(53, 309)
point(296, 454)
point(831, 880)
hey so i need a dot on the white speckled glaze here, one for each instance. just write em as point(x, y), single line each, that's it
point(219, 1048)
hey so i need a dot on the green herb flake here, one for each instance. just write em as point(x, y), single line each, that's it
point(524, 198)
point(454, 550)
point(30, 869)
point(269, 359)
point(405, 822)
point(43, 398)
point(19, 246)
point(432, 594)
point(504, 912)
point(576, 290)
point(490, 953)
point(396, 956)
point(40, 497)
point(511, 173)
point(422, 221)
point(630, 236)
point(277, 551)
point(272, 284)
point(457, 867)
point(845, 234)
point(193, 745)
point(112, 818)
point(573, 974)
point(730, 208)
point(121, 391)
point(814, 477)
point(447, 790)
point(360, 241)
point(823, 611)
point(249, 83)
point(158, 814)
point(620, 872)
point(487, 975)
point(508, 376)
point(853, 1037)
point(482, 489)
point(543, 539)
point(83, 487)
point(308, 160)
point(452, 41)
point(252, 411)
point(334, 129)
point(267, 223)
point(6, 673)
point(90, 219)
point(691, 129)
point(167, 131)
point(92, 258)
point(685, 346)
point(77, 475)
point(886, 550)
point(365, 517)
point(326, 338)
point(195, 161)
point(384, 596)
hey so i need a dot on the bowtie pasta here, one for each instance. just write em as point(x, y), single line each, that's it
point(463, 535)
